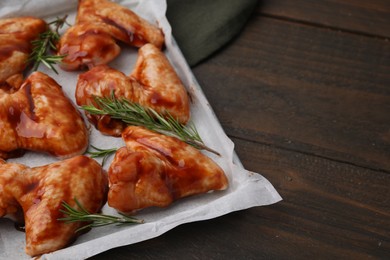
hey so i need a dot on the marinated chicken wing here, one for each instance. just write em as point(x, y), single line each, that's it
point(153, 83)
point(16, 35)
point(99, 24)
point(155, 170)
point(38, 116)
point(34, 196)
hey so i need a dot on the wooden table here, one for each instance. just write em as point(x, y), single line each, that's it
point(304, 93)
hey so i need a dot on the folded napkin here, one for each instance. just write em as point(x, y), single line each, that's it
point(201, 27)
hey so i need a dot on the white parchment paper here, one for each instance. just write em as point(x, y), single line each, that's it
point(246, 189)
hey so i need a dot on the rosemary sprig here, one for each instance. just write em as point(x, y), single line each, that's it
point(47, 40)
point(135, 114)
point(95, 220)
point(105, 153)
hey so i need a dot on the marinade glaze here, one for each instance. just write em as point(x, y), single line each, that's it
point(152, 84)
point(35, 195)
point(155, 170)
point(16, 35)
point(99, 25)
point(38, 116)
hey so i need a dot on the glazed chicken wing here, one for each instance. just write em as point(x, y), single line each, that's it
point(99, 24)
point(38, 116)
point(16, 35)
point(153, 83)
point(35, 195)
point(155, 170)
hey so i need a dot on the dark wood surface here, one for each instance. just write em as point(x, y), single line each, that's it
point(304, 93)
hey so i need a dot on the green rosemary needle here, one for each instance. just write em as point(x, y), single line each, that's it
point(105, 153)
point(47, 40)
point(94, 220)
point(135, 114)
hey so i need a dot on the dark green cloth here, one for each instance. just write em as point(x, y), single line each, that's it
point(201, 27)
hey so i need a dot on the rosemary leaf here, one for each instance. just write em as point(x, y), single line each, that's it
point(135, 114)
point(105, 153)
point(47, 41)
point(95, 220)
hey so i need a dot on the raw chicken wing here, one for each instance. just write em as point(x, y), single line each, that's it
point(153, 83)
point(99, 24)
point(34, 196)
point(155, 170)
point(38, 116)
point(16, 35)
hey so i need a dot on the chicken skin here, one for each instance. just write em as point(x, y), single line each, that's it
point(16, 35)
point(38, 116)
point(99, 25)
point(155, 170)
point(153, 84)
point(34, 196)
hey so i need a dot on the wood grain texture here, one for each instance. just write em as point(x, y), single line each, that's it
point(335, 206)
point(329, 211)
point(306, 89)
point(363, 17)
